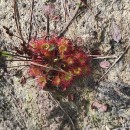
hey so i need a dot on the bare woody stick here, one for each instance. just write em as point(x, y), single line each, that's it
point(48, 26)
point(16, 16)
point(48, 9)
point(127, 48)
point(30, 28)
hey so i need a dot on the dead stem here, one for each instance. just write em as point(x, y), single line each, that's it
point(48, 27)
point(96, 57)
point(18, 60)
point(40, 65)
point(63, 6)
point(30, 28)
point(21, 56)
point(127, 48)
point(60, 70)
point(17, 66)
point(37, 64)
point(16, 16)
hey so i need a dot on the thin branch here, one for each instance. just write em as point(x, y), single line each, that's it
point(60, 70)
point(18, 60)
point(21, 56)
point(30, 29)
point(37, 64)
point(48, 26)
point(17, 20)
point(63, 6)
point(103, 57)
point(70, 21)
point(115, 62)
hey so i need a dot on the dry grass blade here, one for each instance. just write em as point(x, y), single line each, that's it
point(103, 57)
point(48, 26)
point(16, 16)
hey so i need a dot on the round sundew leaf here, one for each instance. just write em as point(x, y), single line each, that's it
point(69, 60)
point(105, 64)
point(77, 71)
point(62, 48)
point(52, 47)
point(45, 46)
point(56, 80)
point(68, 76)
point(34, 71)
point(41, 81)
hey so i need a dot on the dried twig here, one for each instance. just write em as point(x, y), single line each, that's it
point(18, 60)
point(103, 57)
point(48, 25)
point(40, 65)
point(67, 9)
point(115, 62)
point(70, 21)
point(17, 20)
point(63, 6)
point(30, 28)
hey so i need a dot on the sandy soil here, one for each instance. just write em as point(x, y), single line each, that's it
point(29, 108)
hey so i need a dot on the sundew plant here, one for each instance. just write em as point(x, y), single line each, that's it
point(54, 61)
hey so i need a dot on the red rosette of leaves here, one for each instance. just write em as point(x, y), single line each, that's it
point(42, 81)
point(57, 61)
